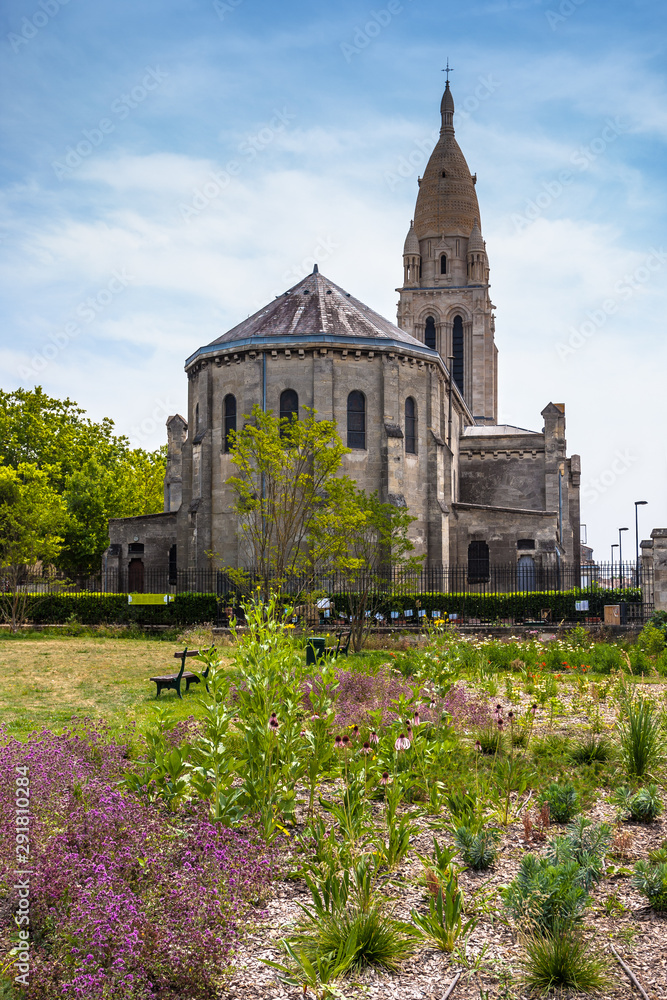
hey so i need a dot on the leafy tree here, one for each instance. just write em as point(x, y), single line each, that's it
point(286, 484)
point(31, 515)
point(365, 542)
point(300, 517)
point(96, 472)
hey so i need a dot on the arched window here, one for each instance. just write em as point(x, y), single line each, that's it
point(457, 351)
point(289, 405)
point(356, 420)
point(228, 420)
point(410, 426)
point(429, 332)
point(443, 264)
point(197, 417)
point(526, 574)
point(478, 562)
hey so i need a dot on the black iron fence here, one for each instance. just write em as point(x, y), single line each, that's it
point(491, 594)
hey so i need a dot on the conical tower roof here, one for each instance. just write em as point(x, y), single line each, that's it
point(411, 245)
point(475, 240)
point(447, 201)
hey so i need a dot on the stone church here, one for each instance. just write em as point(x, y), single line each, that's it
point(416, 403)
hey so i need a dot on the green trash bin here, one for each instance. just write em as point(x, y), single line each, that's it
point(315, 648)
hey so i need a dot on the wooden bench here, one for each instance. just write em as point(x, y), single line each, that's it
point(174, 680)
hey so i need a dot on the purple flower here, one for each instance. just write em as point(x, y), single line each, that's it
point(402, 743)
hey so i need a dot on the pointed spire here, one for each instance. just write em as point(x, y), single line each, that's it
point(411, 245)
point(475, 241)
point(316, 269)
point(447, 110)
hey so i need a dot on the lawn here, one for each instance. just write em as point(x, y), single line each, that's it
point(48, 680)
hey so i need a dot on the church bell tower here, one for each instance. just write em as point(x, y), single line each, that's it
point(444, 300)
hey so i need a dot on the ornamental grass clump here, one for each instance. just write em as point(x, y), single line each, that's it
point(563, 961)
point(642, 738)
point(128, 899)
point(478, 848)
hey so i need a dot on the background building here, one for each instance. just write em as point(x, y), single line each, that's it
point(416, 404)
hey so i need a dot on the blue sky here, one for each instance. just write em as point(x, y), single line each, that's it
point(167, 167)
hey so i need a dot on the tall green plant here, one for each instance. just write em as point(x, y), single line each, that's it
point(642, 739)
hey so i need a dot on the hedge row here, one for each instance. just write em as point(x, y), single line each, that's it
point(490, 607)
point(189, 609)
point(113, 609)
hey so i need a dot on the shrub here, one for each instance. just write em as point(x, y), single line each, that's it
point(549, 897)
point(584, 843)
point(651, 881)
point(642, 741)
point(563, 960)
point(478, 848)
point(591, 749)
point(562, 800)
point(642, 806)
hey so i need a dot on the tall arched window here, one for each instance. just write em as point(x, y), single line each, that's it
point(356, 420)
point(457, 351)
point(196, 417)
point(443, 264)
point(429, 332)
point(289, 405)
point(410, 426)
point(478, 562)
point(228, 420)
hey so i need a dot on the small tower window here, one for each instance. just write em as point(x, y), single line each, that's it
point(429, 332)
point(197, 417)
point(410, 426)
point(443, 264)
point(356, 420)
point(457, 351)
point(228, 420)
point(289, 405)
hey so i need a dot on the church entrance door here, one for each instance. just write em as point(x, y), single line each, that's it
point(135, 576)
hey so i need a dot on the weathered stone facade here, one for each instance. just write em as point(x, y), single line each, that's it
point(654, 565)
point(427, 389)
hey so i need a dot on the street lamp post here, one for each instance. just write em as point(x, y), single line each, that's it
point(614, 546)
point(638, 503)
point(620, 557)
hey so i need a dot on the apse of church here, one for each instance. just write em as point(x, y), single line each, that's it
point(416, 404)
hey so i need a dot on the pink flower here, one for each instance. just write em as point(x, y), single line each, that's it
point(374, 738)
point(384, 780)
point(402, 743)
point(416, 720)
point(338, 743)
point(366, 748)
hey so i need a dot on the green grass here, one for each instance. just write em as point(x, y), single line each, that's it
point(49, 680)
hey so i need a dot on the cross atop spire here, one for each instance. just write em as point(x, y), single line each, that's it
point(448, 69)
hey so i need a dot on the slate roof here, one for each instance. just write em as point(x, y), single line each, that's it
point(319, 311)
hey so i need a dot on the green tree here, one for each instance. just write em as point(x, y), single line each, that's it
point(96, 472)
point(286, 483)
point(31, 517)
point(365, 542)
